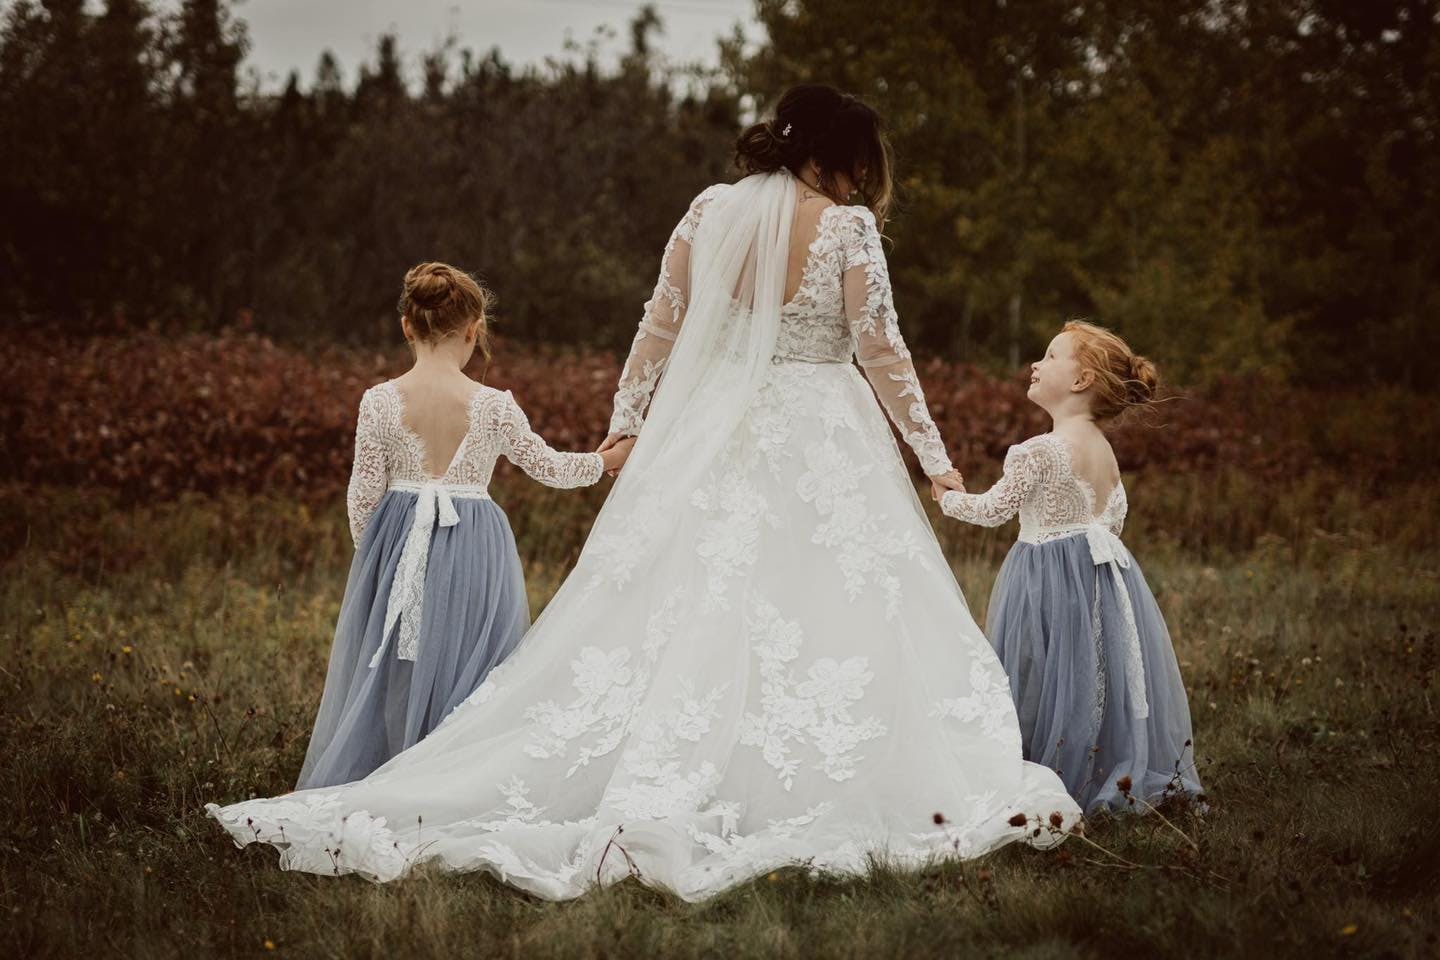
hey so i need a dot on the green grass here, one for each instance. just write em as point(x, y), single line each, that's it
point(156, 657)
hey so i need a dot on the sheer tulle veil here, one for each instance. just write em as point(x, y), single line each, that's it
point(737, 277)
point(737, 282)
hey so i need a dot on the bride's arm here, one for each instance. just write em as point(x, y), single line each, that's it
point(881, 350)
point(660, 324)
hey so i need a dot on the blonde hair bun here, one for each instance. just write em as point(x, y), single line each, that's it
point(430, 285)
point(440, 301)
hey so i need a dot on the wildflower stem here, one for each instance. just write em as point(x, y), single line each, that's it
point(1166, 820)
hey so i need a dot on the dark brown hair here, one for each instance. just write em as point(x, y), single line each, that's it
point(1124, 380)
point(839, 131)
point(440, 300)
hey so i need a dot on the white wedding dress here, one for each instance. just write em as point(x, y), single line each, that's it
point(761, 657)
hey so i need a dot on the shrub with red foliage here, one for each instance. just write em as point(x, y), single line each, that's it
point(154, 415)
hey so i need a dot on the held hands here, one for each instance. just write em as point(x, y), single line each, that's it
point(946, 481)
point(614, 451)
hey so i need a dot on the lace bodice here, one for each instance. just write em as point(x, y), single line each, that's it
point(1040, 483)
point(387, 451)
point(843, 308)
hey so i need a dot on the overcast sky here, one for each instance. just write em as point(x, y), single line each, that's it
point(286, 34)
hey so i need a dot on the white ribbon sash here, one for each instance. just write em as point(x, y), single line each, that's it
point(1106, 550)
point(434, 502)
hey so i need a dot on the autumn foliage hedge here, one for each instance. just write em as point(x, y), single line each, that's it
point(153, 415)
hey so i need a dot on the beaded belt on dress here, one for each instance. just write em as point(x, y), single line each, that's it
point(1106, 549)
point(790, 358)
point(434, 503)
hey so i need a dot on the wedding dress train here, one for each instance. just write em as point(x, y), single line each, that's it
point(761, 657)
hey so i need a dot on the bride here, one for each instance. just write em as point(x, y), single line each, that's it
point(761, 657)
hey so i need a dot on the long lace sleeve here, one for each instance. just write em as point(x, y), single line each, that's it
point(660, 324)
point(1024, 471)
point(1116, 511)
point(870, 309)
point(526, 449)
point(369, 476)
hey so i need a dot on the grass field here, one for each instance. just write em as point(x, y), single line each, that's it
point(159, 656)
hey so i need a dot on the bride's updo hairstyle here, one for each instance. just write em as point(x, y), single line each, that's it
point(1124, 380)
point(440, 301)
point(839, 131)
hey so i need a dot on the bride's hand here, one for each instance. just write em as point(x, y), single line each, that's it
point(616, 454)
point(944, 482)
point(608, 445)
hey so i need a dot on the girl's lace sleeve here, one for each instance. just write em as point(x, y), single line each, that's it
point(875, 327)
point(664, 312)
point(1024, 471)
point(526, 449)
point(1115, 513)
point(369, 476)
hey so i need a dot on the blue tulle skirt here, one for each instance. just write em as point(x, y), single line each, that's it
point(475, 612)
point(1068, 675)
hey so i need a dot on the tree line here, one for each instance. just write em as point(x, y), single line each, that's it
point(1240, 187)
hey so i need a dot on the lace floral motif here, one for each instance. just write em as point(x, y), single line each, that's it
point(499, 416)
point(1041, 485)
point(729, 542)
point(813, 326)
point(387, 451)
point(634, 392)
point(751, 848)
point(659, 784)
point(988, 702)
point(881, 350)
point(843, 308)
point(736, 507)
point(374, 437)
point(609, 691)
point(518, 797)
point(664, 313)
point(864, 548)
point(610, 687)
point(815, 711)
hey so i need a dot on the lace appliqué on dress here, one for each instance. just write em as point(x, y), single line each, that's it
point(609, 688)
point(881, 350)
point(814, 712)
point(660, 324)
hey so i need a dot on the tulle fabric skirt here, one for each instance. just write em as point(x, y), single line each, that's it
point(793, 677)
point(475, 612)
point(1067, 675)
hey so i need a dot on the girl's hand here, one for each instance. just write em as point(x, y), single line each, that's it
point(610, 441)
point(946, 481)
point(614, 455)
